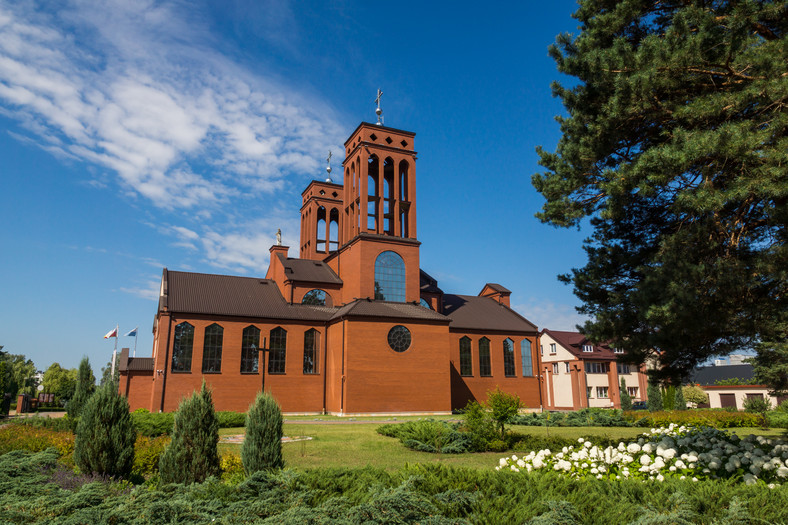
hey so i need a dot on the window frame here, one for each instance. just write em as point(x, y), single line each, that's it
point(555, 369)
point(313, 352)
point(602, 392)
point(509, 369)
point(277, 351)
point(212, 343)
point(553, 350)
point(466, 356)
point(485, 363)
point(247, 350)
point(390, 280)
point(526, 359)
point(177, 341)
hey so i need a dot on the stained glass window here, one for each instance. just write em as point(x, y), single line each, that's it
point(390, 277)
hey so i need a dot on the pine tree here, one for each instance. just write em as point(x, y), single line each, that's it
point(654, 397)
point(86, 385)
point(675, 147)
point(680, 404)
point(105, 435)
point(262, 447)
point(626, 399)
point(192, 455)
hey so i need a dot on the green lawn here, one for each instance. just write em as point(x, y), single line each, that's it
point(358, 445)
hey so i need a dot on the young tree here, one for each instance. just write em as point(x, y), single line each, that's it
point(262, 447)
point(105, 435)
point(86, 385)
point(654, 393)
point(675, 148)
point(695, 395)
point(503, 407)
point(60, 381)
point(192, 455)
point(626, 399)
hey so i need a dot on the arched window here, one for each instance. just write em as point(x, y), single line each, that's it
point(388, 196)
point(466, 360)
point(311, 347)
point(321, 230)
point(333, 230)
point(508, 358)
point(316, 297)
point(277, 351)
point(212, 349)
point(423, 302)
point(484, 357)
point(250, 350)
point(390, 277)
point(525, 354)
point(403, 197)
point(183, 341)
point(373, 193)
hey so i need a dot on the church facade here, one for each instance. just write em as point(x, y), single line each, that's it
point(352, 325)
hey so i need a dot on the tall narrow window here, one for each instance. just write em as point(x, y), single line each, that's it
point(466, 361)
point(183, 341)
point(508, 358)
point(390, 277)
point(373, 193)
point(212, 349)
point(484, 357)
point(250, 350)
point(333, 230)
point(403, 197)
point(321, 230)
point(277, 351)
point(311, 346)
point(525, 357)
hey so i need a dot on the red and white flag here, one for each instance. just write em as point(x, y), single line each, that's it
point(111, 333)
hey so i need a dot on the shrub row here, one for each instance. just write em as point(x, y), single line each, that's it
point(699, 417)
point(158, 424)
point(585, 417)
point(33, 490)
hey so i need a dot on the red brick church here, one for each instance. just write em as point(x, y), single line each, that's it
point(352, 325)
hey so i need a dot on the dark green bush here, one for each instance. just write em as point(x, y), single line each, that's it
point(160, 423)
point(429, 435)
point(60, 424)
point(480, 426)
point(86, 385)
point(192, 455)
point(712, 417)
point(262, 447)
point(229, 419)
point(104, 440)
point(585, 417)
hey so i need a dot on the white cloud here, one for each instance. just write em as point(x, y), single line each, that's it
point(133, 87)
point(149, 290)
point(547, 314)
point(138, 89)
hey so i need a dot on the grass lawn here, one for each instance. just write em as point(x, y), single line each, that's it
point(358, 445)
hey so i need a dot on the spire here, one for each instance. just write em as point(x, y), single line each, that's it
point(378, 111)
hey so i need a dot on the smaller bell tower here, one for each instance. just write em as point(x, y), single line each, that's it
point(321, 218)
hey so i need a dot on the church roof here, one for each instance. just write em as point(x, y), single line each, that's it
point(307, 270)
point(483, 313)
point(427, 284)
point(200, 293)
point(497, 287)
point(369, 308)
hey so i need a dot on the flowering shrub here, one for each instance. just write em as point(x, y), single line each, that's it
point(36, 439)
point(677, 451)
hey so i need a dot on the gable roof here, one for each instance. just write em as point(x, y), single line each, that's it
point(497, 288)
point(201, 293)
point(472, 312)
point(369, 308)
point(427, 284)
point(307, 270)
point(574, 341)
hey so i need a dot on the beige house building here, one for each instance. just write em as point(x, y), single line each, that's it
point(578, 374)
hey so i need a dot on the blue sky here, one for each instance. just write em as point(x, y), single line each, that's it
point(138, 135)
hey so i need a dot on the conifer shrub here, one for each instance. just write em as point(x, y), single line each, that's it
point(104, 440)
point(192, 455)
point(626, 399)
point(86, 385)
point(680, 403)
point(262, 446)
point(654, 397)
point(429, 435)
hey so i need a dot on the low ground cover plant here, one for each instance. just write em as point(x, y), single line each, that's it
point(585, 417)
point(681, 452)
point(34, 490)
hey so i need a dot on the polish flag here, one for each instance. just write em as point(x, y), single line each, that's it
point(111, 333)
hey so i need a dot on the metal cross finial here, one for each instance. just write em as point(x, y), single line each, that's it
point(378, 111)
point(328, 168)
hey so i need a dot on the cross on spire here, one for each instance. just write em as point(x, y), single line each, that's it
point(378, 111)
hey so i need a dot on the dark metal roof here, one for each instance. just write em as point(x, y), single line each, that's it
point(483, 313)
point(369, 308)
point(497, 287)
point(574, 341)
point(200, 293)
point(140, 364)
point(708, 375)
point(427, 283)
point(307, 270)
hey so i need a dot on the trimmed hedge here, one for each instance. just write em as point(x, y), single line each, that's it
point(160, 423)
point(710, 417)
point(585, 417)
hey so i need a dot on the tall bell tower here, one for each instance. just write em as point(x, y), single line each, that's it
point(380, 182)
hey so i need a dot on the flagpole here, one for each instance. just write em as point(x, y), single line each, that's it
point(115, 352)
point(136, 330)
